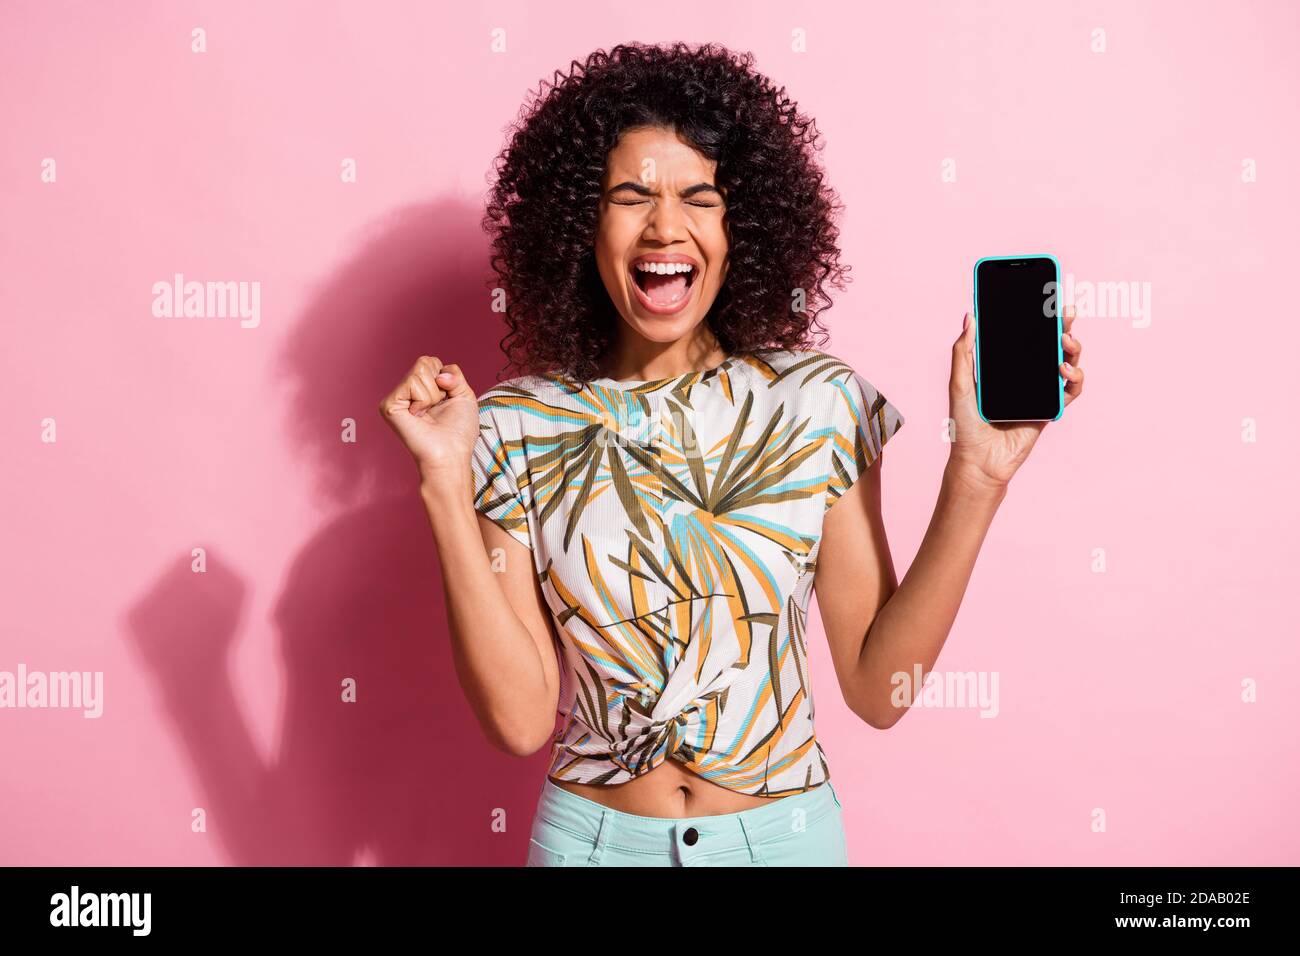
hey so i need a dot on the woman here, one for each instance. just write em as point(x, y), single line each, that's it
point(677, 465)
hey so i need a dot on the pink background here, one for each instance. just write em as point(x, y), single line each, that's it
point(1118, 690)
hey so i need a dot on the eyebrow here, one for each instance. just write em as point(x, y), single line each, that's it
point(643, 190)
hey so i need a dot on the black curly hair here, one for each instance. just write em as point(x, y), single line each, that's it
point(543, 208)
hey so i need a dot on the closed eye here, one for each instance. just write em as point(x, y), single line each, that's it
point(637, 202)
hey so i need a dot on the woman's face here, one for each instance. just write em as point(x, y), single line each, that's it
point(659, 208)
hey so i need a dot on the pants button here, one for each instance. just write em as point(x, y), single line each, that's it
point(690, 836)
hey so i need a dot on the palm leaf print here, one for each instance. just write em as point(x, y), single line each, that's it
point(569, 443)
point(675, 526)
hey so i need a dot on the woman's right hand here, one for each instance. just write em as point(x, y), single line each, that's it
point(435, 414)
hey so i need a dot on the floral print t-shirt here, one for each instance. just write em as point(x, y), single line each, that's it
point(674, 527)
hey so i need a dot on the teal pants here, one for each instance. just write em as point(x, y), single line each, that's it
point(805, 829)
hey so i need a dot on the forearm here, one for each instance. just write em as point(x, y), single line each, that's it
point(911, 627)
point(496, 658)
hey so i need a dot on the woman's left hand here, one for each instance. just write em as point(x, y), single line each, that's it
point(987, 455)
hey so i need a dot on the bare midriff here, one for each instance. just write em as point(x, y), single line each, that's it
point(669, 790)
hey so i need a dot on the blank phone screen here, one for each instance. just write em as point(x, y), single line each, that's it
point(1016, 305)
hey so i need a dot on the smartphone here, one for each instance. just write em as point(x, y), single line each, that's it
point(1018, 350)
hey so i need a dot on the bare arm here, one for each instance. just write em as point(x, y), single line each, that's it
point(877, 628)
point(500, 628)
point(500, 625)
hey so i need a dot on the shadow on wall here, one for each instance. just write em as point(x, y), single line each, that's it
point(403, 776)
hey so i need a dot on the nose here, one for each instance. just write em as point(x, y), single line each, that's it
point(665, 224)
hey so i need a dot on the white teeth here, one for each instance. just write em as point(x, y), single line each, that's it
point(664, 268)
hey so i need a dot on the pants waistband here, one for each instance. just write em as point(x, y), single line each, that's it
point(603, 826)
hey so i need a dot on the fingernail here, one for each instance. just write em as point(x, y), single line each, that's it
point(443, 375)
point(1067, 366)
point(965, 322)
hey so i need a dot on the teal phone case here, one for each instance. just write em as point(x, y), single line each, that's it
point(1060, 351)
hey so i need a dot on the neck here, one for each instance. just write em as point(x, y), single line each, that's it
point(642, 360)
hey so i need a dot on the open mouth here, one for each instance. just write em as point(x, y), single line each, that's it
point(664, 285)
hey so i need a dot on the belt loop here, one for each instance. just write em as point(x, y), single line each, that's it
point(751, 840)
point(602, 837)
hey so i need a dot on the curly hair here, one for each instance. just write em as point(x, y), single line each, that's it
point(543, 207)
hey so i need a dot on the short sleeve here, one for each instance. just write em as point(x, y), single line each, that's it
point(497, 492)
point(863, 420)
